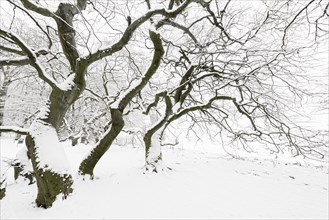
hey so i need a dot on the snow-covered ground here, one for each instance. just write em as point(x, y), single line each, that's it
point(200, 186)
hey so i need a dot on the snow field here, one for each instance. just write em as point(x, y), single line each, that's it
point(200, 186)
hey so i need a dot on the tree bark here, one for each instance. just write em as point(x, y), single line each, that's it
point(51, 182)
point(42, 138)
point(153, 152)
point(87, 166)
point(2, 190)
point(22, 166)
point(152, 139)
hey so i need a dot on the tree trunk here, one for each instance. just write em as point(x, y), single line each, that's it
point(2, 189)
point(22, 166)
point(48, 158)
point(87, 166)
point(50, 182)
point(152, 140)
point(153, 153)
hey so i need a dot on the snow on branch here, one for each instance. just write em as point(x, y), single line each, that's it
point(31, 55)
point(11, 50)
point(131, 29)
point(126, 97)
point(19, 61)
point(15, 129)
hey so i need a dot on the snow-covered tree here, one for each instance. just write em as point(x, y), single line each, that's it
point(222, 63)
point(63, 34)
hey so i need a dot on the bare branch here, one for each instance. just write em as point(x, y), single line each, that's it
point(19, 61)
point(158, 53)
point(131, 29)
point(179, 26)
point(155, 102)
point(31, 55)
point(35, 21)
point(15, 129)
point(292, 21)
point(11, 50)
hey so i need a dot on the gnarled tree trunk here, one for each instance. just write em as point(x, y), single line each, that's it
point(48, 158)
point(153, 153)
point(152, 138)
point(88, 164)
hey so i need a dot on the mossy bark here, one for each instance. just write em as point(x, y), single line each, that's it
point(50, 184)
point(19, 171)
point(87, 166)
point(2, 193)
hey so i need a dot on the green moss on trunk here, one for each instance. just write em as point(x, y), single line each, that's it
point(88, 165)
point(50, 184)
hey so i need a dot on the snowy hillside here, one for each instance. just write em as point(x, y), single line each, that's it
point(200, 186)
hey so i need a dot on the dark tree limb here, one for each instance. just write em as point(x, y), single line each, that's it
point(155, 102)
point(178, 26)
point(11, 50)
point(19, 61)
point(131, 29)
point(14, 129)
point(87, 165)
point(292, 21)
point(37, 8)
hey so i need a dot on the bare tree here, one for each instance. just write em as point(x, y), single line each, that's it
point(221, 65)
point(237, 87)
point(51, 179)
point(117, 123)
